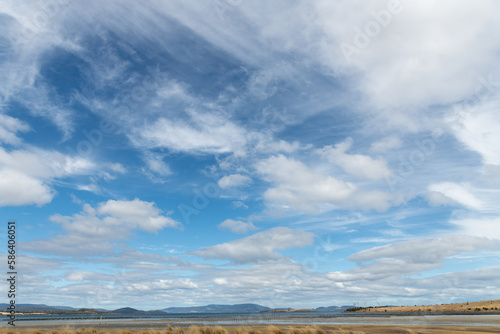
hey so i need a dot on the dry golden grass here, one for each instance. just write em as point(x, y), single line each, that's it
point(488, 306)
point(269, 329)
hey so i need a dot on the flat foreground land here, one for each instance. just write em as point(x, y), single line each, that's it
point(135, 328)
point(483, 307)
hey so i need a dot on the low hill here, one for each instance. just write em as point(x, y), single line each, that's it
point(38, 308)
point(238, 308)
point(488, 306)
point(133, 311)
point(290, 310)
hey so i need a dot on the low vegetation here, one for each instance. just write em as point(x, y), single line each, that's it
point(268, 329)
point(488, 306)
point(172, 330)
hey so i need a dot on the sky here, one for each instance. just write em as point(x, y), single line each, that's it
point(284, 153)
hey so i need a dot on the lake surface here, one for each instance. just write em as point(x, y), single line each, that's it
point(200, 319)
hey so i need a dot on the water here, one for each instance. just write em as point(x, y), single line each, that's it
point(247, 319)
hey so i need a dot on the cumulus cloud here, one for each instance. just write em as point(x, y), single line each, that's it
point(28, 173)
point(233, 180)
point(34, 170)
point(237, 226)
point(258, 247)
point(361, 166)
point(136, 214)
point(20, 189)
point(299, 187)
point(93, 230)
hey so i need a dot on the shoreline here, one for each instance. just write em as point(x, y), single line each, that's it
point(188, 328)
point(472, 321)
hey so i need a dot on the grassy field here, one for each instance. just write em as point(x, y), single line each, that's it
point(267, 329)
point(483, 307)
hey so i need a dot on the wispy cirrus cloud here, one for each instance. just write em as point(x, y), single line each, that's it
point(401, 263)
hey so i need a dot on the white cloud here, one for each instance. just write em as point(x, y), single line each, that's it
point(478, 127)
point(386, 144)
point(136, 214)
point(158, 166)
point(237, 226)
point(258, 247)
point(31, 40)
point(164, 285)
point(34, 170)
point(430, 250)
point(9, 127)
point(361, 166)
point(480, 226)
point(402, 72)
point(239, 204)
point(457, 193)
point(156, 169)
point(278, 146)
point(118, 168)
point(20, 189)
point(220, 281)
point(44, 164)
point(435, 198)
point(203, 133)
point(92, 231)
point(234, 180)
point(28, 173)
point(411, 257)
point(424, 70)
point(299, 187)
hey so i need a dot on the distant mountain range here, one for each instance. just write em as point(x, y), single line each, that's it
point(238, 308)
point(38, 308)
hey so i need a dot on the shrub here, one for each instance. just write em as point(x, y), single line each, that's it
point(274, 330)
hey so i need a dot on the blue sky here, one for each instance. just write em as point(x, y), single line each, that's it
point(286, 153)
